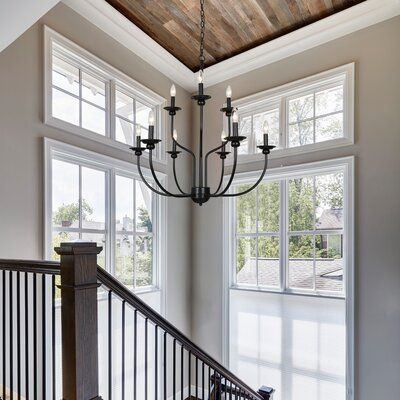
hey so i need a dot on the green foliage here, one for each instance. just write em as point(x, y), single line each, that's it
point(69, 213)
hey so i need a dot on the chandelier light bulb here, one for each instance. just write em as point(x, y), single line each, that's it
point(235, 117)
point(151, 118)
point(175, 134)
point(265, 127)
point(229, 92)
point(138, 130)
point(173, 91)
point(223, 136)
point(200, 77)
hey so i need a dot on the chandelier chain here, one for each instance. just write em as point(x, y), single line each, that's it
point(202, 34)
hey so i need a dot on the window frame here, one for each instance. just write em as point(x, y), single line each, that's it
point(282, 175)
point(61, 151)
point(56, 44)
point(279, 96)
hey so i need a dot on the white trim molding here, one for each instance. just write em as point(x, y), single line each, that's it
point(357, 17)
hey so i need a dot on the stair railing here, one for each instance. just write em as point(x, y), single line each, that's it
point(147, 357)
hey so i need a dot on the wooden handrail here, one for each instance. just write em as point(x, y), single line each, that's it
point(125, 294)
point(34, 266)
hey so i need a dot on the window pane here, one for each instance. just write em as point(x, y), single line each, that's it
point(123, 131)
point(329, 202)
point(301, 204)
point(93, 119)
point(124, 195)
point(301, 108)
point(124, 259)
point(61, 237)
point(329, 262)
point(124, 105)
point(65, 107)
point(271, 121)
point(100, 239)
point(245, 130)
point(144, 261)
point(268, 261)
point(246, 265)
point(246, 210)
point(142, 114)
point(143, 208)
point(301, 262)
point(301, 133)
point(65, 76)
point(65, 196)
point(268, 207)
point(329, 101)
point(93, 90)
point(328, 128)
point(93, 198)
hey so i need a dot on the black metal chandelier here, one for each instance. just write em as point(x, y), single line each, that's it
point(200, 192)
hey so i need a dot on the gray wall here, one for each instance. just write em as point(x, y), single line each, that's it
point(21, 143)
point(376, 52)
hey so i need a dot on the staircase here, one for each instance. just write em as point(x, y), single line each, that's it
point(70, 328)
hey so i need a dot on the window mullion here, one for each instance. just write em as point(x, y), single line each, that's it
point(257, 216)
point(111, 111)
point(80, 202)
point(284, 237)
point(134, 234)
point(80, 97)
point(314, 222)
point(111, 220)
point(282, 124)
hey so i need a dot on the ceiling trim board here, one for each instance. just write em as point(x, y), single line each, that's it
point(357, 17)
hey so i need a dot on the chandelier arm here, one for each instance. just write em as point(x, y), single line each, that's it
point(206, 161)
point(231, 177)
point(146, 183)
point(255, 185)
point(187, 150)
point(175, 177)
point(222, 176)
point(153, 173)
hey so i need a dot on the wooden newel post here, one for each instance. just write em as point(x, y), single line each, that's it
point(79, 320)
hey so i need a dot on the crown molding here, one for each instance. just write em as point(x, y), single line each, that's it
point(360, 16)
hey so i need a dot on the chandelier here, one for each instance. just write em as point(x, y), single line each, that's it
point(200, 192)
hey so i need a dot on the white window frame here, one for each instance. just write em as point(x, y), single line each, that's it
point(113, 78)
point(279, 96)
point(346, 164)
point(61, 151)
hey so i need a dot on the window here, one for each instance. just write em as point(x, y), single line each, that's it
point(86, 96)
point(96, 198)
point(289, 233)
point(307, 115)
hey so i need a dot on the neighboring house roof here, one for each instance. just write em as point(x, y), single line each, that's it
point(330, 219)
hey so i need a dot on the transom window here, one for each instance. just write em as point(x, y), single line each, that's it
point(94, 198)
point(86, 96)
point(307, 115)
point(290, 233)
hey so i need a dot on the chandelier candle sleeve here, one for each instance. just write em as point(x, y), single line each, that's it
point(200, 192)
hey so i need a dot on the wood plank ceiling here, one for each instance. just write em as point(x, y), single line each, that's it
point(232, 26)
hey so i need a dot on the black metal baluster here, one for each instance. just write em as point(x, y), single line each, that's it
point(135, 357)
point(109, 345)
point(230, 390)
point(145, 357)
point(197, 378)
point(165, 365)
point(182, 368)
point(11, 351)
point(155, 361)
point(53, 334)
point(123, 351)
point(209, 381)
point(44, 372)
point(174, 372)
point(4, 333)
point(34, 305)
point(26, 337)
point(215, 384)
point(189, 373)
point(19, 335)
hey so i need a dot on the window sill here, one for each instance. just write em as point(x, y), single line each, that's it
point(82, 132)
point(293, 151)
